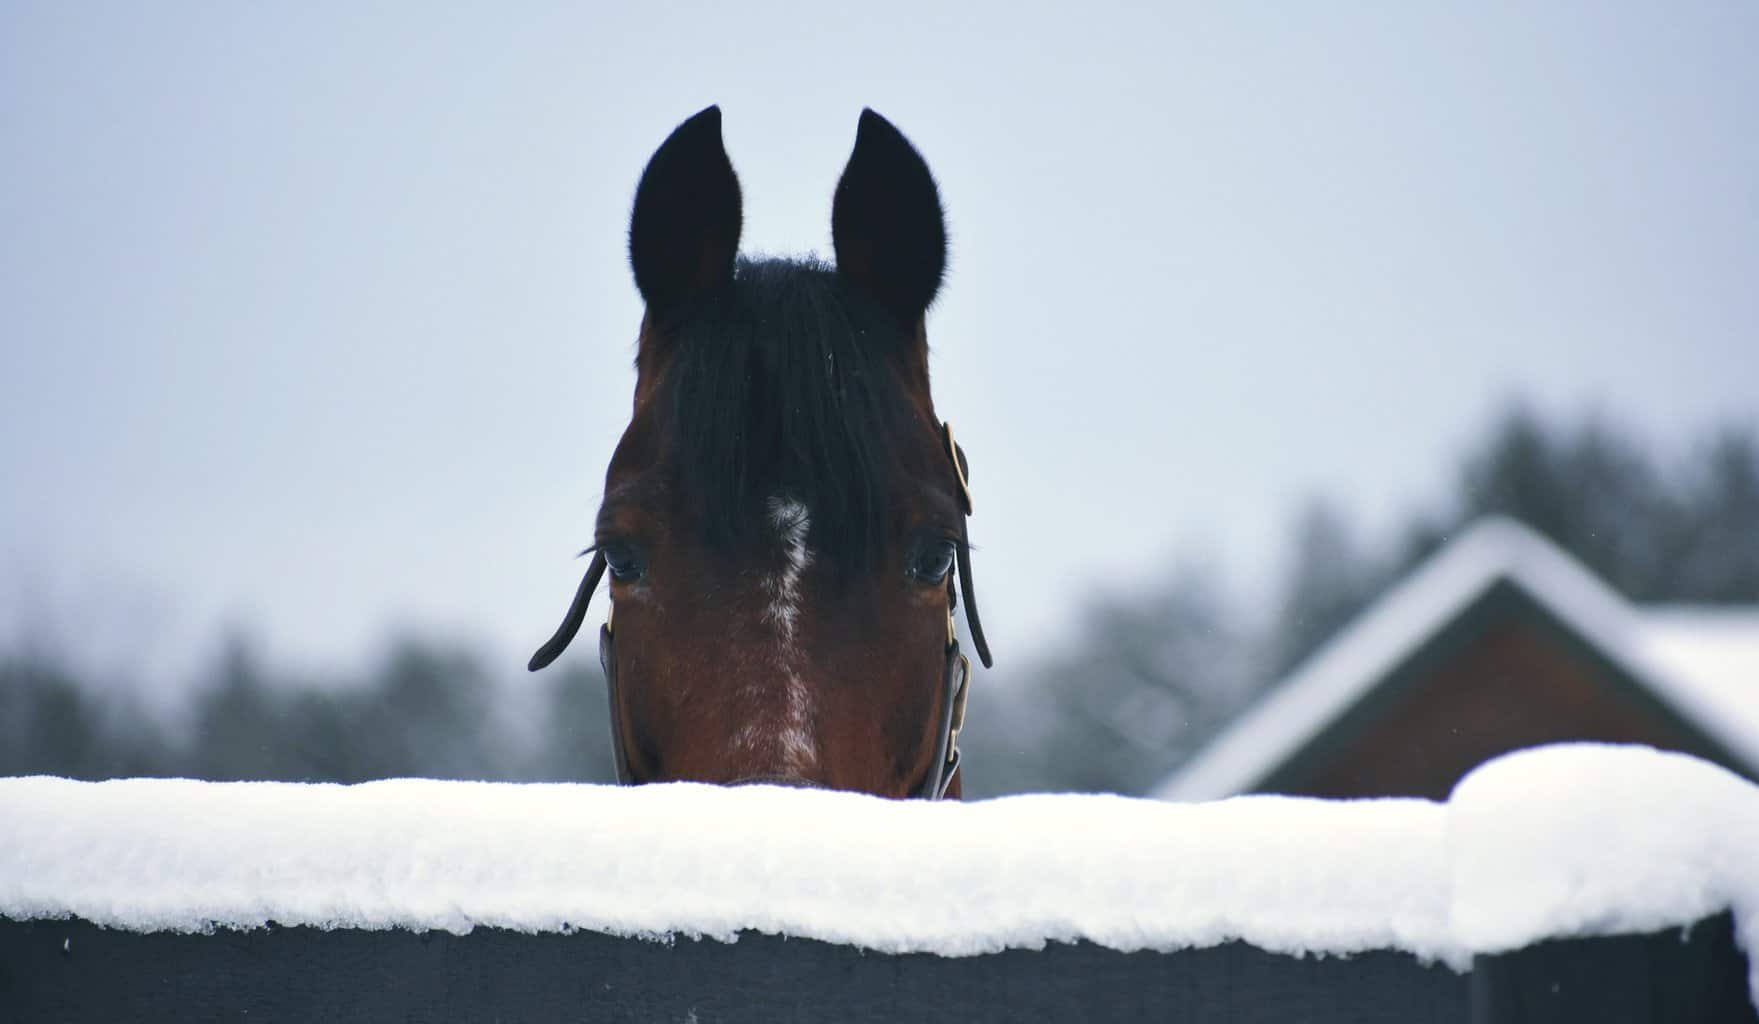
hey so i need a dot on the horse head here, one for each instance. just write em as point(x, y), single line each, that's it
point(783, 521)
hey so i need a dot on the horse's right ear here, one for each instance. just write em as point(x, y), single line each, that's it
point(684, 231)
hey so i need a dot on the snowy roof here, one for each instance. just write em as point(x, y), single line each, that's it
point(1570, 840)
point(1703, 664)
point(1713, 654)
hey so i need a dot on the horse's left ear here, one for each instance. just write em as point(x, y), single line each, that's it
point(886, 221)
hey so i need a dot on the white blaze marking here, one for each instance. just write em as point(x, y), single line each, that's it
point(794, 731)
point(791, 521)
point(796, 735)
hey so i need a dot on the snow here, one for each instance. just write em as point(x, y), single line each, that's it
point(1692, 665)
point(948, 878)
point(1569, 840)
point(1664, 838)
point(1711, 658)
point(1588, 839)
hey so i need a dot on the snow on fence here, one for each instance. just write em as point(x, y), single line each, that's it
point(1562, 883)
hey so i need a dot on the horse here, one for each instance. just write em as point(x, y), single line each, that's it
point(784, 520)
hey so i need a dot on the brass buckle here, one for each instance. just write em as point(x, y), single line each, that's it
point(610, 614)
point(952, 634)
point(958, 721)
point(958, 467)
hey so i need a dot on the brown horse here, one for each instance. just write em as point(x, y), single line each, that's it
point(785, 514)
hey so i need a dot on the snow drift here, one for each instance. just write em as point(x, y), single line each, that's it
point(1560, 841)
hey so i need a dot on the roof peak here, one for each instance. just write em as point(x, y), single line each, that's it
point(1352, 664)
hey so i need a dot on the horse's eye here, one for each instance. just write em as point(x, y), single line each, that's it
point(624, 565)
point(933, 562)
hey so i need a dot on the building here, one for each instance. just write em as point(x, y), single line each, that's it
point(1500, 641)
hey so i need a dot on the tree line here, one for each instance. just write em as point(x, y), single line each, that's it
point(1149, 678)
point(425, 710)
point(1153, 677)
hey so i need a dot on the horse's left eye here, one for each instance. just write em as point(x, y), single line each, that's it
point(932, 563)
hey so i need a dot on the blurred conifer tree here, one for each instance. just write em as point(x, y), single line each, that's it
point(1143, 681)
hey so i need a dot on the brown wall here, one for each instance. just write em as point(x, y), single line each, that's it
point(1516, 683)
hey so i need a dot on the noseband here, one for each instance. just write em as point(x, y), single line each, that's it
point(956, 676)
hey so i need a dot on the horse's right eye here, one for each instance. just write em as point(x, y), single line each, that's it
point(621, 560)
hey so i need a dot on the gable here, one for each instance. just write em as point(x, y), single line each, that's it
point(1498, 568)
point(1506, 673)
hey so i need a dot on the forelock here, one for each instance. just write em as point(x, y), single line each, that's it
point(780, 385)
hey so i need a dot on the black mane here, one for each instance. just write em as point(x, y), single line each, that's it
point(781, 386)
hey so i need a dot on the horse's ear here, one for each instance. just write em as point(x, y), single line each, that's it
point(886, 221)
point(684, 231)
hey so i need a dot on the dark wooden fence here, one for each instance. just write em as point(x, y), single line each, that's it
point(74, 971)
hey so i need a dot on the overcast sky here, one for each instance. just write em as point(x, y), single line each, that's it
point(316, 318)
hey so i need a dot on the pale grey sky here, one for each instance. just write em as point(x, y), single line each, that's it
point(315, 318)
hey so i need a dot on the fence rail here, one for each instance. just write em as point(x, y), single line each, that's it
point(422, 900)
point(74, 971)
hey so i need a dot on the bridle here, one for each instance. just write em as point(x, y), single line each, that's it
point(956, 676)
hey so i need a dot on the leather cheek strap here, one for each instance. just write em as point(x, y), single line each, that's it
point(946, 750)
point(608, 662)
point(963, 557)
point(962, 476)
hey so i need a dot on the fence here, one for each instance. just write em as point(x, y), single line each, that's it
point(1589, 884)
point(74, 971)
